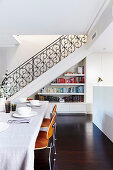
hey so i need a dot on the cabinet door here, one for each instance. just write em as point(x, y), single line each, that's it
point(77, 108)
point(63, 108)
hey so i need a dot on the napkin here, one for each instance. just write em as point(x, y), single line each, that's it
point(19, 121)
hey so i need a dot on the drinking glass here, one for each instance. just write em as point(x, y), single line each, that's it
point(13, 107)
point(7, 106)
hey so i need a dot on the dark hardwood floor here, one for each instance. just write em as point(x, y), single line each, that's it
point(80, 146)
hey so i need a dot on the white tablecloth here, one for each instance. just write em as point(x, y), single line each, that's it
point(18, 141)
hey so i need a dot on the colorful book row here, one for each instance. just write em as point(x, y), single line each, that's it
point(79, 89)
point(70, 80)
point(74, 98)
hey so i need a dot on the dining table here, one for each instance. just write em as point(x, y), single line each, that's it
point(17, 142)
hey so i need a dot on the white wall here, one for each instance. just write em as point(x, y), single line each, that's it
point(101, 22)
point(103, 110)
point(2, 63)
point(29, 46)
point(98, 65)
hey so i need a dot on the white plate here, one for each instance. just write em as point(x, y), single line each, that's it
point(38, 105)
point(33, 113)
point(19, 102)
point(3, 126)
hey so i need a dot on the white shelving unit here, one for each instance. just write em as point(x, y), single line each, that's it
point(60, 94)
point(67, 84)
point(67, 107)
point(74, 75)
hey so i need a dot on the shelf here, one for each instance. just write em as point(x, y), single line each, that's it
point(71, 75)
point(63, 94)
point(67, 84)
point(77, 103)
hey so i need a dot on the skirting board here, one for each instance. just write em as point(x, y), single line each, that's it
point(71, 114)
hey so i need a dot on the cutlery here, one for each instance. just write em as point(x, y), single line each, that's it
point(19, 121)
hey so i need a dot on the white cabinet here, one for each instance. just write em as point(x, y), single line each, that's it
point(63, 108)
point(77, 108)
point(69, 107)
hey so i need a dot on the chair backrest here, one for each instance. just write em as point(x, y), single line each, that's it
point(50, 129)
point(54, 111)
point(54, 108)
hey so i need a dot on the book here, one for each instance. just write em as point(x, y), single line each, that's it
point(80, 70)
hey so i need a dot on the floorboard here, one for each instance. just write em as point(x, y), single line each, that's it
point(80, 146)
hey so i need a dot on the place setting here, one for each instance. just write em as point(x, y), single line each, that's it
point(24, 108)
point(34, 103)
point(20, 109)
point(23, 112)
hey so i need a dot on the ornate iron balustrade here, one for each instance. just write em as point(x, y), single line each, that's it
point(43, 61)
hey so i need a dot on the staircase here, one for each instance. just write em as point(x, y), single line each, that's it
point(41, 64)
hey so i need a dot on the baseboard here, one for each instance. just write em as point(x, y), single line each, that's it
point(71, 114)
point(89, 113)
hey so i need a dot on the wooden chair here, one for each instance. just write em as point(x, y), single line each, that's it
point(42, 140)
point(46, 121)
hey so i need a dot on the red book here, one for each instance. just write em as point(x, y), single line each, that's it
point(75, 80)
point(82, 69)
point(83, 80)
point(63, 80)
point(72, 80)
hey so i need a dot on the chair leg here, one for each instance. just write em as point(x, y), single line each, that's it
point(55, 131)
point(50, 156)
point(53, 153)
point(54, 146)
point(54, 165)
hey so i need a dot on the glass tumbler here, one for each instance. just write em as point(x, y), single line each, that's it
point(7, 106)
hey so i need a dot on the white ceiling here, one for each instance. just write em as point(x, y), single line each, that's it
point(105, 42)
point(47, 16)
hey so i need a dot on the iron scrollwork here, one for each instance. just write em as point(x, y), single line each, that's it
point(43, 61)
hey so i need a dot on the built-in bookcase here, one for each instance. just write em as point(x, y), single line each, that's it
point(67, 89)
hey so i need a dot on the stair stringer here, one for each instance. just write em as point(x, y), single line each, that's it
point(52, 73)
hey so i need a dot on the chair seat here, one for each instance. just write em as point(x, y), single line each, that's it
point(45, 123)
point(41, 141)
